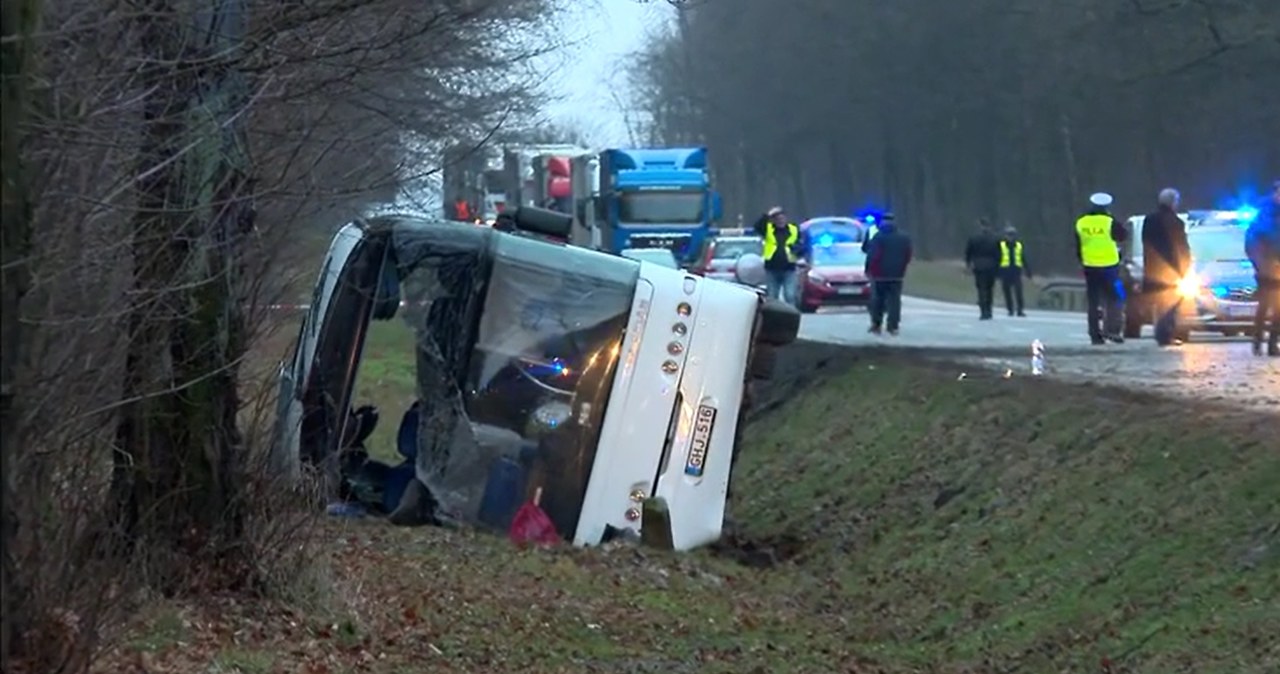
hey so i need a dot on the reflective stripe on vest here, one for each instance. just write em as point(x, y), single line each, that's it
point(771, 241)
point(1017, 254)
point(1097, 248)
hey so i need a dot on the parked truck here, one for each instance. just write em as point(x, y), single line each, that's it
point(473, 183)
point(531, 171)
point(644, 198)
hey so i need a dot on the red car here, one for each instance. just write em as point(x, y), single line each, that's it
point(837, 278)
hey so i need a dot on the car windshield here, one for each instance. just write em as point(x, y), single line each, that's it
point(838, 255)
point(516, 350)
point(732, 249)
point(661, 207)
point(1224, 219)
point(1218, 244)
point(660, 256)
point(826, 231)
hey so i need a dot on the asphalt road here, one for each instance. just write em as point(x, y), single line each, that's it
point(1208, 367)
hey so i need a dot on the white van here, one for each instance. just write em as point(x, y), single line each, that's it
point(1218, 294)
point(597, 381)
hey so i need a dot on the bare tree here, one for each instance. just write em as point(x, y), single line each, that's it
point(157, 158)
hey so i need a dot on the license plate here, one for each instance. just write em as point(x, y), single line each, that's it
point(703, 423)
point(1241, 311)
point(850, 290)
point(665, 241)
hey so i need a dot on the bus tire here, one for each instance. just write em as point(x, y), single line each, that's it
point(779, 323)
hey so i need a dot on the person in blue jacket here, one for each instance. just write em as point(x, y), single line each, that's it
point(1262, 243)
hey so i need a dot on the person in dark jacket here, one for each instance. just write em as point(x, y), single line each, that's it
point(1098, 237)
point(1166, 259)
point(1262, 243)
point(888, 255)
point(505, 222)
point(1013, 267)
point(982, 258)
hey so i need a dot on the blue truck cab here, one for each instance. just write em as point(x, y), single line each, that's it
point(656, 198)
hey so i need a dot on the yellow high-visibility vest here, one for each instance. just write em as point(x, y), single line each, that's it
point(1007, 260)
point(872, 231)
point(1097, 248)
point(771, 241)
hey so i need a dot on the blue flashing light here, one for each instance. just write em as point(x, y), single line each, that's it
point(1220, 291)
point(1247, 214)
point(826, 240)
point(870, 219)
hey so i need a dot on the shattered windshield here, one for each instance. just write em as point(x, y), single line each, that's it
point(516, 355)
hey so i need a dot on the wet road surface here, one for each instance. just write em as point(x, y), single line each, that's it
point(1208, 367)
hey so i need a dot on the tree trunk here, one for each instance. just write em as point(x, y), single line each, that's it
point(18, 21)
point(180, 454)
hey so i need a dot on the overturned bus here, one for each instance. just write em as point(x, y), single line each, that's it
point(600, 383)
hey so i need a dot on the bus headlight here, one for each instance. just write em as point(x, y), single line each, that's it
point(1190, 286)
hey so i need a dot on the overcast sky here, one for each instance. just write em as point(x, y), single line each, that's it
point(604, 34)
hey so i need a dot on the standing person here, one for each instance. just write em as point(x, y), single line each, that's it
point(888, 255)
point(784, 247)
point(1013, 266)
point(868, 236)
point(1262, 242)
point(982, 258)
point(1166, 259)
point(1098, 235)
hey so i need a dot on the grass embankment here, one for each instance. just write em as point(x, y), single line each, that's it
point(895, 520)
point(946, 280)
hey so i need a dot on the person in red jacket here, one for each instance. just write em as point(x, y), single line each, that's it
point(888, 255)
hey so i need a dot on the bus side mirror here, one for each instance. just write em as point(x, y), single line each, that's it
point(543, 221)
point(717, 207)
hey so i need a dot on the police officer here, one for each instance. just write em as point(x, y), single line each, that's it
point(982, 258)
point(1098, 235)
point(1013, 266)
point(784, 247)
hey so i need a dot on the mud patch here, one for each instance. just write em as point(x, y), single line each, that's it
point(759, 552)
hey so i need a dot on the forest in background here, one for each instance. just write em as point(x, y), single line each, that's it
point(1014, 110)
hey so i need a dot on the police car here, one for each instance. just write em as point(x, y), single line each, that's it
point(597, 381)
point(1218, 294)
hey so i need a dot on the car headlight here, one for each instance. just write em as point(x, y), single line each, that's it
point(817, 278)
point(1190, 285)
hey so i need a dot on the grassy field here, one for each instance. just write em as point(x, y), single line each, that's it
point(387, 381)
point(894, 520)
point(948, 281)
